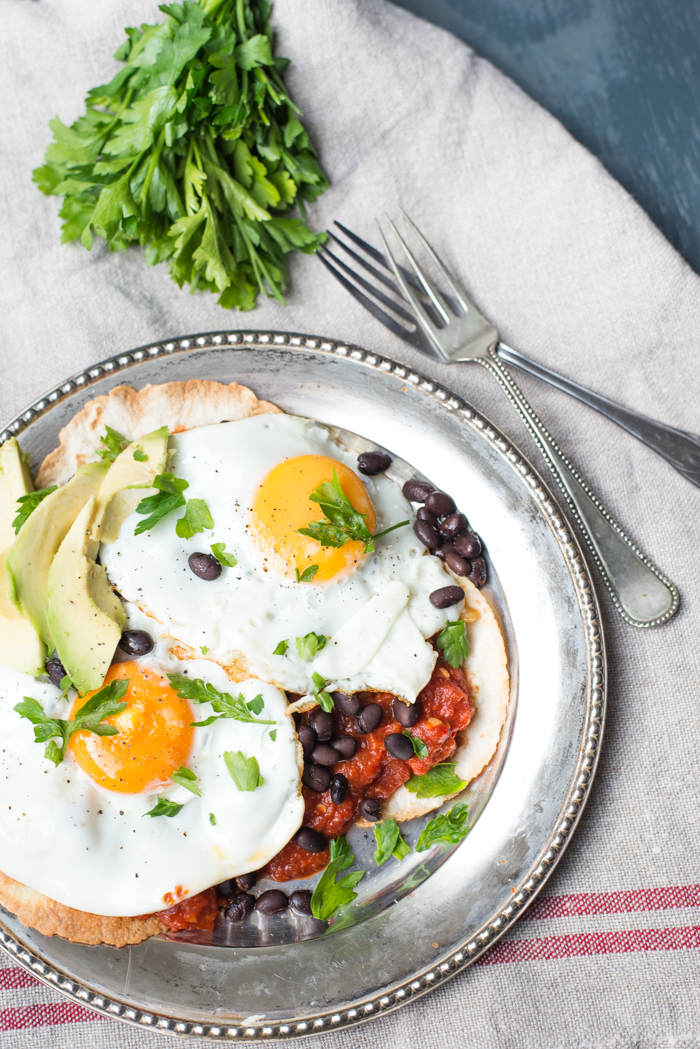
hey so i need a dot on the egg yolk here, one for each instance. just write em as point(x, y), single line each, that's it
point(154, 738)
point(281, 506)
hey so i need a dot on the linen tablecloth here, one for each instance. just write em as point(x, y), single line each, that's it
point(574, 273)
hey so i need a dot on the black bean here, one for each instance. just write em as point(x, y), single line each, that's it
point(325, 754)
point(300, 901)
point(399, 746)
point(345, 745)
point(204, 566)
point(346, 704)
point(271, 902)
point(443, 550)
point(406, 713)
point(322, 724)
point(228, 887)
point(339, 788)
point(56, 671)
point(427, 533)
point(446, 596)
point(307, 738)
point(370, 808)
point(453, 525)
point(368, 719)
point(246, 881)
point(239, 907)
point(316, 777)
point(417, 491)
point(373, 463)
point(440, 503)
point(468, 545)
point(477, 572)
point(136, 642)
point(425, 515)
point(310, 840)
point(456, 563)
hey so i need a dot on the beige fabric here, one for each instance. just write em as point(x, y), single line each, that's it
point(575, 275)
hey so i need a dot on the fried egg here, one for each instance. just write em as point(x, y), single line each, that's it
point(256, 476)
point(80, 832)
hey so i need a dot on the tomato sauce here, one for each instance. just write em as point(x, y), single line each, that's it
point(446, 709)
point(196, 912)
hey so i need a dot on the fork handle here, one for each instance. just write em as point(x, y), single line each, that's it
point(681, 450)
point(642, 595)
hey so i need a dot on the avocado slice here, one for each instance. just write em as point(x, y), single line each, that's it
point(84, 616)
point(29, 558)
point(20, 645)
point(122, 489)
point(15, 480)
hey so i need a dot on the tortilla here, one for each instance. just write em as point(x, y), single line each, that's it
point(177, 405)
point(182, 406)
point(55, 919)
point(486, 668)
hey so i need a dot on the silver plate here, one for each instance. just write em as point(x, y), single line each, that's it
point(381, 953)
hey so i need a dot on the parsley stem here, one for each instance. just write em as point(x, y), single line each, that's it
point(152, 166)
point(387, 530)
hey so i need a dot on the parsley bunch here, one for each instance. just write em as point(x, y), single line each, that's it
point(194, 150)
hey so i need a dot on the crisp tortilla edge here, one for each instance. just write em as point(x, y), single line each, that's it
point(178, 405)
point(486, 669)
point(55, 919)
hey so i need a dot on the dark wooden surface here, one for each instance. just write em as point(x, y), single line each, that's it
point(622, 75)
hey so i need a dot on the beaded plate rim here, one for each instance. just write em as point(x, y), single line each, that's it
point(465, 954)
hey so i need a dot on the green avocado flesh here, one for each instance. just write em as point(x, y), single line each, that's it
point(84, 616)
point(20, 645)
point(29, 558)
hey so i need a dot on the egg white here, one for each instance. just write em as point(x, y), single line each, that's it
point(242, 616)
point(94, 849)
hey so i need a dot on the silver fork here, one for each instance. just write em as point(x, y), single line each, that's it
point(643, 596)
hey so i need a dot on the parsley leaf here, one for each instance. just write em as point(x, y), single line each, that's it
point(113, 444)
point(204, 649)
point(307, 575)
point(225, 559)
point(139, 454)
point(451, 827)
point(309, 645)
point(194, 150)
point(28, 503)
point(164, 807)
point(256, 704)
point(419, 747)
point(325, 699)
point(168, 497)
point(196, 518)
point(224, 704)
point(212, 819)
point(453, 642)
point(389, 841)
point(187, 779)
point(281, 648)
point(330, 894)
point(89, 718)
point(342, 522)
point(436, 782)
point(245, 772)
point(273, 734)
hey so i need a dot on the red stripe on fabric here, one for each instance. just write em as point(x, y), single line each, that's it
point(44, 1016)
point(613, 902)
point(549, 948)
point(14, 977)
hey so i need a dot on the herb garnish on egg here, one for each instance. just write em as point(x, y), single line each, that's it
point(225, 705)
point(245, 772)
point(88, 719)
point(169, 497)
point(225, 559)
point(343, 522)
point(164, 807)
point(186, 778)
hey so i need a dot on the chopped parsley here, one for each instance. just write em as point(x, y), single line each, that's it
point(89, 718)
point(281, 648)
point(307, 575)
point(225, 705)
point(187, 779)
point(452, 827)
point(330, 894)
point(453, 643)
point(225, 559)
point(419, 747)
point(309, 645)
point(389, 841)
point(342, 522)
point(245, 772)
point(28, 504)
point(139, 454)
point(113, 444)
point(164, 807)
point(436, 782)
point(195, 519)
point(168, 497)
point(325, 699)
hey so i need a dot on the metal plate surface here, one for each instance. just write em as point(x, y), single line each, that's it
point(277, 983)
